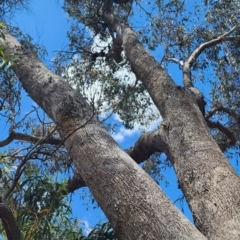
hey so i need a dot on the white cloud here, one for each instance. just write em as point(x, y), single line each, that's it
point(86, 227)
point(123, 133)
point(151, 125)
point(98, 45)
point(92, 86)
point(125, 75)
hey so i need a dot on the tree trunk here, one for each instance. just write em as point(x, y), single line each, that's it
point(9, 223)
point(132, 201)
point(209, 183)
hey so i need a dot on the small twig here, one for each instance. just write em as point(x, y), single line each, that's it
point(19, 172)
point(26, 115)
point(181, 201)
point(70, 134)
point(180, 62)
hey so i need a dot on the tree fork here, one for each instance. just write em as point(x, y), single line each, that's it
point(123, 190)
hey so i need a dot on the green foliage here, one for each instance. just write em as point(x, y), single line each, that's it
point(41, 208)
point(39, 205)
point(155, 167)
point(108, 86)
point(170, 29)
point(113, 87)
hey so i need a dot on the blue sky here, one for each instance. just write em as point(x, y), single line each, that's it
point(47, 23)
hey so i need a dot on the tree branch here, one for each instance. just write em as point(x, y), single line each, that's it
point(215, 109)
point(187, 79)
point(179, 62)
point(75, 183)
point(209, 44)
point(122, 1)
point(19, 172)
point(29, 138)
point(231, 138)
point(9, 223)
point(147, 144)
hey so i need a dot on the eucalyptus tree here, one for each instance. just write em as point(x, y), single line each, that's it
point(196, 131)
point(201, 38)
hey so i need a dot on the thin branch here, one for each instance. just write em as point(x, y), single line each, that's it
point(18, 174)
point(179, 62)
point(215, 109)
point(73, 184)
point(209, 44)
point(29, 138)
point(231, 139)
point(21, 166)
point(22, 120)
point(187, 78)
point(107, 6)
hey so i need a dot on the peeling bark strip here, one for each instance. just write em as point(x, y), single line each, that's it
point(132, 201)
point(209, 183)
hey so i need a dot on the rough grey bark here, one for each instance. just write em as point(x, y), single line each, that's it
point(209, 183)
point(148, 144)
point(132, 201)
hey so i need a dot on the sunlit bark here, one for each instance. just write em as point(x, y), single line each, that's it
point(210, 185)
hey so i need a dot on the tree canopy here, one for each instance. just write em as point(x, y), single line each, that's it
point(118, 64)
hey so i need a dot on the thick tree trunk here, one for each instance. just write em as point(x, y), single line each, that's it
point(134, 204)
point(209, 183)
